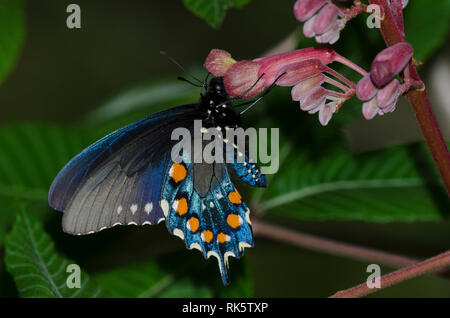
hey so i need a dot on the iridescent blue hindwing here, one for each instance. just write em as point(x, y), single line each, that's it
point(206, 211)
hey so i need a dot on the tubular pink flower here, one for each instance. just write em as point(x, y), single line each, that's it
point(296, 72)
point(271, 65)
point(305, 70)
point(390, 62)
point(240, 77)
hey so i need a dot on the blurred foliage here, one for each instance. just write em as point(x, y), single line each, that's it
point(12, 33)
point(426, 26)
point(319, 177)
point(213, 11)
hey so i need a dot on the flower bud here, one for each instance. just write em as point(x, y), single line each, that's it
point(388, 109)
point(326, 112)
point(314, 99)
point(326, 18)
point(388, 94)
point(294, 73)
point(365, 90)
point(303, 88)
point(390, 62)
point(305, 9)
point(370, 109)
point(308, 28)
point(218, 62)
point(241, 76)
point(331, 36)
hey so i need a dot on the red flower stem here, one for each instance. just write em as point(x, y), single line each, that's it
point(431, 264)
point(418, 99)
point(397, 11)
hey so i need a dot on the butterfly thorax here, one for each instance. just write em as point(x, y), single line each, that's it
point(216, 107)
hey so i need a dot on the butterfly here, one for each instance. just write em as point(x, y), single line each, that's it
point(129, 178)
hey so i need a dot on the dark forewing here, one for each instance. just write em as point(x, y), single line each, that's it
point(118, 179)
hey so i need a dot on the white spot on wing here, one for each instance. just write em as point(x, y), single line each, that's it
point(225, 257)
point(179, 233)
point(160, 220)
point(247, 216)
point(133, 208)
point(147, 222)
point(195, 246)
point(219, 195)
point(243, 245)
point(148, 207)
point(165, 207)
point(211, 204)
point(119, 209)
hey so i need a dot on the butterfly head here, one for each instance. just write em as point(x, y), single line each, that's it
point(217, 107)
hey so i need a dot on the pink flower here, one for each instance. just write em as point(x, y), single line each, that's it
point(305, 70)
point(323, 19)
point(378, 101)
point(390, 62)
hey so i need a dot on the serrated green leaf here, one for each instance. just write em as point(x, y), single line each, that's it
point(426, 26)
point(12, 33)
point(37, 268)
point(213, 11)
point(380, 186)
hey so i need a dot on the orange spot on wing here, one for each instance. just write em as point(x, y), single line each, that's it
point(182, 206)
point(221, 237)
point(178, 172)
point(234, 221)
point(235, 197)
point(207, 236)
point(193, 224)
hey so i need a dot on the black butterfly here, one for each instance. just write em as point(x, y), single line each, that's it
point(128, 177)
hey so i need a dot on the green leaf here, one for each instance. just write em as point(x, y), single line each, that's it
point(37, 268)
point(166, 276)
point(334, 184)
point(426, 26)
point(213, 11)
point(12, 33)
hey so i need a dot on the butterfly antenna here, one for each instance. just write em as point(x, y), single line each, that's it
point(267, 91)
point(164, 53)
point(180, 78)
